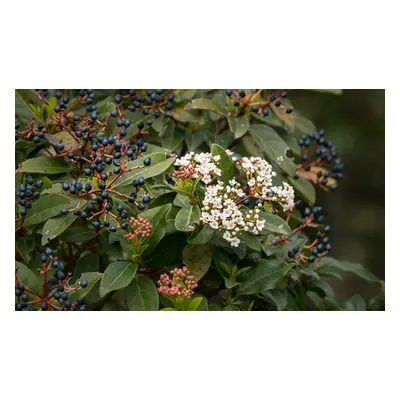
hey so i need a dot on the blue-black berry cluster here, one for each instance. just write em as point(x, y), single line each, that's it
point(151, 102)
point(319, 160)
point(27, 194)
point(257, 101)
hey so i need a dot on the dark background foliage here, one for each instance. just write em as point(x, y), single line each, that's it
point(355, 121)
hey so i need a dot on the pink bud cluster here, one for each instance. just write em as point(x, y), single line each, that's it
point(141, 227)
point(184, 172)
point(181, 283)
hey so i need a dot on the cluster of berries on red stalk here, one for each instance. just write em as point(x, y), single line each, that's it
point(27, 194)
point(313, 218)
point(319, 161)
point(56, 288)
point(259, 100)
point(31, 132)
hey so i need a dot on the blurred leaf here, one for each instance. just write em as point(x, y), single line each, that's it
point(277, 297)
point(198, 259)
point(356, 303)
point(231, 308)
point(337, 92)
point(87, 262)
point(224, 139)
point(92, 278)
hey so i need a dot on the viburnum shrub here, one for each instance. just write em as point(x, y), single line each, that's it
point(174, 200)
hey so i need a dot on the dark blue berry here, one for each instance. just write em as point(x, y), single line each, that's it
point(141, 206)
point(23, 212)
point(147, 161)
point(84, 283)
point(146, 199)
point(44, 306)
point(96, 224)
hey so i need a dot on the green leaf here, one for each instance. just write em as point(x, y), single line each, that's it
point(277, 297)
point(56, 226)
point(316, 300)
point(273, 146)
point(182, 200)
point(225, 163)
point(305, 188)
point(156, 216)
point(224, 139)
point(87, 262)
point(336, 92)
point(274, 224)
point(202, 236)
point(172, 137)
point(78, 234)
point(45, 165)
point(92, 278)
point(231, 308)
point(141, 295)
point(24, 246)
point(22, 109)
point(195, 303)
point(183, 116)
point(198, 259)
point(147, 172)
point(28, 278)
point(251, 241)
point(205, 104)
point(45, 208)
point(264, 276)
point(356, 303)
point(117, 275)
point(346, 266)
point(186, 218)
point(168, 309)
point(238, 125)
point(304, 125)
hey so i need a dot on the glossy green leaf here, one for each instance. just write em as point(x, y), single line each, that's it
point(87, 262)
point(201, 235)
point(45, 165)
point(78, 234)
point(147, 172)
point(264, 276)
point(28, 278)
point(238, 125)
point(231, 308)
point(251, 241)
point(277, 297)
point(182, 115)
point(198, 259)
point(24, 246)
point(92, 278)
point(141, 295)
point(187, 218)
point(157, 218)
point(117, 275)
point(274, 224)
point(182, 200)
point(346, 266)
point(205, 104)
point(305, 188)
point(45, 208)
point(225, 163)
point(195, 303)
point(273, 145)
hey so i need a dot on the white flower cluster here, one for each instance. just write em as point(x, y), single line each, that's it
point(202, 165)
point(221, 212)
point(259, 176)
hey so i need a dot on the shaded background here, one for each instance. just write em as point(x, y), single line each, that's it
point(355, 122)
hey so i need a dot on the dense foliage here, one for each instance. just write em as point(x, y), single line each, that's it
point(174, 200)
